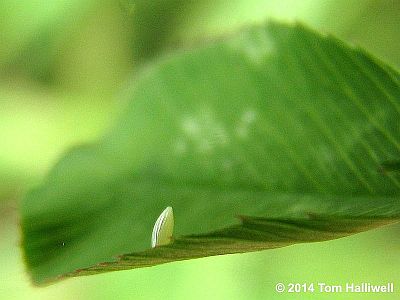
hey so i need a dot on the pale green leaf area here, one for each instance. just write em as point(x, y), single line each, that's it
point(270, 137)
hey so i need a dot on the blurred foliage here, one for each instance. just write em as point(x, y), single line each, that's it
point(62, 62)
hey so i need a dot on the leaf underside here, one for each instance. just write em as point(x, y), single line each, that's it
point(267, 138)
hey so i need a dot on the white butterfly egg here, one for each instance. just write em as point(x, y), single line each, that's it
point(163, 228)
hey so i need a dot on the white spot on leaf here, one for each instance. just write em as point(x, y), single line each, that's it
point(180, 146)
point(257, 45)
point(204, 132)
point(191, 126)
point(246, 120)
point(227, 165)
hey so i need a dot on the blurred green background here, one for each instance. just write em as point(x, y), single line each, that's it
point(64, 66)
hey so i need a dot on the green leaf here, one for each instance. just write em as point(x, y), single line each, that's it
point(271, 137)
